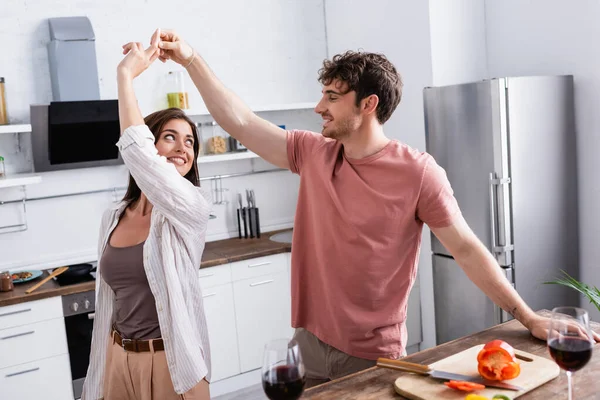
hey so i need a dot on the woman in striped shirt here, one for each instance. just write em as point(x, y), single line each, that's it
point(150, 339)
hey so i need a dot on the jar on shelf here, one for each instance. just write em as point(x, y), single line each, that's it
point(215, 143)
point(6, 283)
point(3, 115)
point(2, 168)
point(176, 95)
point(200, 138)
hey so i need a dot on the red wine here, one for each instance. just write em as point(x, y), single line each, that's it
point(283, 383)
point(569, 353)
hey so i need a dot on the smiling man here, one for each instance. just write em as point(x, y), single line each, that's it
point(362, 204)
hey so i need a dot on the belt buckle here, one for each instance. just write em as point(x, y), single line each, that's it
point(124, 342)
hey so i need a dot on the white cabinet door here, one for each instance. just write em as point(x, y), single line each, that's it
point(262, 307)
point(48, 379)
point(413, 317)
point(220, 317)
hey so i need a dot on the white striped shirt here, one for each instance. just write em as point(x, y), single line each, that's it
point(172, 256)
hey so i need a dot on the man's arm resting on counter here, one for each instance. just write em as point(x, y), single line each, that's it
point(481, 268)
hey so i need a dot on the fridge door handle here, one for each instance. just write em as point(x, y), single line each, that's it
point(494, 182)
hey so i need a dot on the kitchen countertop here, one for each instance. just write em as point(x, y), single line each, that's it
point(215, 253)
point(378, 383)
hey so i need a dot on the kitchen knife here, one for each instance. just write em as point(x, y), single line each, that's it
point(250, 211)
point(243, 220)
point(256, 219)
point(426, 370)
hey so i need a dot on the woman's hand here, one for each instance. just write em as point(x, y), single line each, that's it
point(137, 60)
point(174, 48)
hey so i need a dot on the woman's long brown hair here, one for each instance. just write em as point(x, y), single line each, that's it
point(156, 122)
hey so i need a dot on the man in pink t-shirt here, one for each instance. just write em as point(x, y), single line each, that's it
point(362, 204)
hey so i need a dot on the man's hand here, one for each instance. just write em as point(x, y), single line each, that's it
point(137, 60)
point(172, 47)
point(539, 327)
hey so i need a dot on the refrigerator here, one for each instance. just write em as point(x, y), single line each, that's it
point(508, 147)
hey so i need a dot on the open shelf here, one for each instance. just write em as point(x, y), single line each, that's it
point(19, 180)
point(15, 128)
point(242, 155)
point(266, 108)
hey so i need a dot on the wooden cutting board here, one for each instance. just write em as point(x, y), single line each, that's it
point(533, 374)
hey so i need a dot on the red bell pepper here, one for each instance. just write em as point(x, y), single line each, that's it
point(497, 361)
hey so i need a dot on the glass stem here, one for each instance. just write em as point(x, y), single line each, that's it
point(570, 384)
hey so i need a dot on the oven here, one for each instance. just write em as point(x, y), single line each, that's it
point(78, 310)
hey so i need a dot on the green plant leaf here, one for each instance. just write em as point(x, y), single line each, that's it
point(592, 293)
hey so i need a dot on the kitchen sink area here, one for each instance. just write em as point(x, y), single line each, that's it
point(282, 237)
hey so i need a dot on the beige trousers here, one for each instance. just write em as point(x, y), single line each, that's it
point(324, 362)
point(143, 376)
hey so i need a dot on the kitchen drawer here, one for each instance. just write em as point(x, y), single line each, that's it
point(27, 343)
point(259, 266)
point(48, 379)
point(30, 312)
point(214, 276)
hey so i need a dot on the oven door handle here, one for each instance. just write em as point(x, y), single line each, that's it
point(92, 315)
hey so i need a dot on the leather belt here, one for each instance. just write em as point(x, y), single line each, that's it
point(136, 345)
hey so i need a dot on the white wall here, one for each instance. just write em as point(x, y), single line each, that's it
point(400, 30)
point(458, 41)
point(558, 37)
point(268, 51)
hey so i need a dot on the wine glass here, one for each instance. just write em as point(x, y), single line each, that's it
point(283, 375)
point(570, 340)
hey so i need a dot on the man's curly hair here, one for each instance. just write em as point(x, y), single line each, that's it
point(366, 74)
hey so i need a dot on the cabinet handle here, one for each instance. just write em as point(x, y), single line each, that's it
point(15, 312)
point(206, 275)
point(17, 335)
point(261, 283)
point(23, 372)
point(92, 315)
point(209, 295)
point(259, 264)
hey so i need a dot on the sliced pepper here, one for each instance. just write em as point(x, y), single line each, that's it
point(497, 361)
point(464, 386)
point(500, 397)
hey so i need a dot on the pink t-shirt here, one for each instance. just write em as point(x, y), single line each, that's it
point(357, 234)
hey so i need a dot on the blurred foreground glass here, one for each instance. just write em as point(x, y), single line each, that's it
point(570, 340)
point(283, 375)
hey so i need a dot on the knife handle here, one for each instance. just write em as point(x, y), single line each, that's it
point(257, 220)
point(252, 222)
point(403, 366)
point(239, 220)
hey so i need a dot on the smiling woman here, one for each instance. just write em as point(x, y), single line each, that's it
point(176, 138)
point(150, 339)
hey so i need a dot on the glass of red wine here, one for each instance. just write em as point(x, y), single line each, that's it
point(283, 375)
point(570, 340)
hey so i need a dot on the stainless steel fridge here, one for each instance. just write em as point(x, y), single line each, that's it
point(508, 146)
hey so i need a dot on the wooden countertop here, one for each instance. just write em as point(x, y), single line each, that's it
point(378, 384)
point(215, 253)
